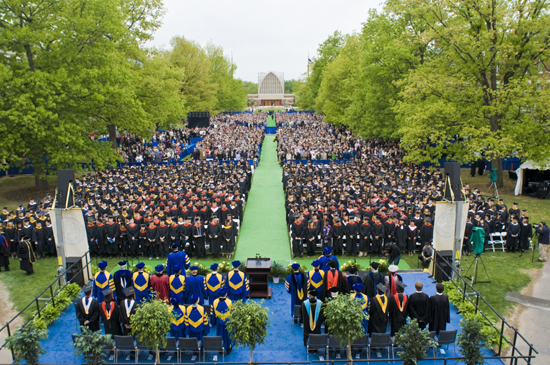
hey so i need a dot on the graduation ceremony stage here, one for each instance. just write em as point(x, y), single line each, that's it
point(284, 342)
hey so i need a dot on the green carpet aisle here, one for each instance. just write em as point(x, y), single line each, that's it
point(271, 121)
point(264, 226)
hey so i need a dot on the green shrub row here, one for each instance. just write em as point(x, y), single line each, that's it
point(65, 298)
point(468, 310)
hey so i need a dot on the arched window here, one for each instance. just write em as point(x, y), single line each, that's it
point(271, 84)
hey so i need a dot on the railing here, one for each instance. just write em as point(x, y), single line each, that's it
point(513, 360)
point(468, 291)
point(61, 281)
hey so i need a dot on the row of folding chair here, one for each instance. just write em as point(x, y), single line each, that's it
point(499, 238)
point(181, 347)
point(377, 341)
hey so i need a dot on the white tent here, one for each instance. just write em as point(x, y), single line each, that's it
point(530, 165)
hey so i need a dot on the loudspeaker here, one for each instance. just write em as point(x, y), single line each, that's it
point(443, 262)
point(75, 274)
point(452, 181)
point(64, 178)
point(198, 119)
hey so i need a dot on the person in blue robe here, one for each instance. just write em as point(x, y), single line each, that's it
point(365, 303)
point(177, 327)
point(122, 279)
point(176, 283)
point(196, 319)
point(296, 285)
point(177, 258)
point(326, 257)
point(195, 284)
point(142, 284)
point(237, 283)
point(214, 282)
point(102, 281)
point(315, 278)
point(221, 309)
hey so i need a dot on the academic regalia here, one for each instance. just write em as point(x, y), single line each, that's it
point(296, 285)
point(439, 313)
point(353, 279)
point(398, 311)
point(341, 283)
point(313, 317)
point(196, 322)
point(26, 255)
point(221, 309)
point(213, 284)
point(110, 315)
point(526, 233)
point(177, 327)
point(378, 312)
point(365, 305)
point(315, 281)
point(4, 253)
point(390, 282)
point(127, 309)
point(177, 258)
point(102, 281)
point(122, 280)
point(160, 285)
point(87, 309)
point(195, 285)
point(419, 309)
point(237, 286)
point(177, 287)
point(141, 285)
point(370, 281)
point(323, 260)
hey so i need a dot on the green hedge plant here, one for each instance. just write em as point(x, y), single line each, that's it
point(25, 344)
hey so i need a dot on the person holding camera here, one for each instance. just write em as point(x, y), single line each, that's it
point(544, 239)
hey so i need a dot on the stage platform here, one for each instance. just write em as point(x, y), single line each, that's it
point(284, 342)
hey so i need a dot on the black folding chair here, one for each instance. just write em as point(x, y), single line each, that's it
point(211, 344)
point(125, 343)
point(379, 341)
point(171, 346)
point(316, 342)
point(189, 345)
point(447, 338)
point(334, 345)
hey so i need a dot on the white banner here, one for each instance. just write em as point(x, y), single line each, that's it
point(444, 226)
point(75, 242)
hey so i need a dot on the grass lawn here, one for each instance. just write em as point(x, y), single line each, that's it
point(19, 189)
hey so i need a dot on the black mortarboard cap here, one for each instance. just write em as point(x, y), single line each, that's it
point(87, 288)
point(107, 291)
point(401, 284)
point(381, 287)
point(129, 291)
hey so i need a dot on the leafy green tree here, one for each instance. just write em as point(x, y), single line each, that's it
point(247, 324)
point(483, 93)
point(338, 83)
point(414, 342)
point(25, 344)
point(70, 73)
point(344, 318)
point(472, 340)
point(289, 86)
point(90, 345)
point(250, 87)
point(151, 323)
point(198, 89)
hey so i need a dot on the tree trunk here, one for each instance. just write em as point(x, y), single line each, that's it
point(112, 136)
point(157, 355)
point(348, 353)
point(251, 358)
point(497, 163)
point(40, 183)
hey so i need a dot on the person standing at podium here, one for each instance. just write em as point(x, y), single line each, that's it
point(296, 286)
point(237, 283)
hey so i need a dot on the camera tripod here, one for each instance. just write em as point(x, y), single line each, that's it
point(475, 263)
point(493, 185)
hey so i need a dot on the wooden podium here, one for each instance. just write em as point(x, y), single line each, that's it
point(258, 271)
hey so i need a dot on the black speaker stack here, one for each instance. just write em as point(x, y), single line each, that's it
point(453, 182)
point(443, 262)
point(198, 119)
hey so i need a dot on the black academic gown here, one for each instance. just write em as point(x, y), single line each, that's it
point(370, 281)
point(112, 324)
point(341, 284)
point(378, 321)
point(92, 316)
point(439, 313)
point(125, 317)
point(419, 308)
point(306, 320)
point(26, 256)
point(398, 312)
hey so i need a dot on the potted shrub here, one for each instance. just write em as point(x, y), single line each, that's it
point(472, 340)
point(25, 344)
point(91, 344)
point(414, 342)
point(277, 271)
point(247, 324)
